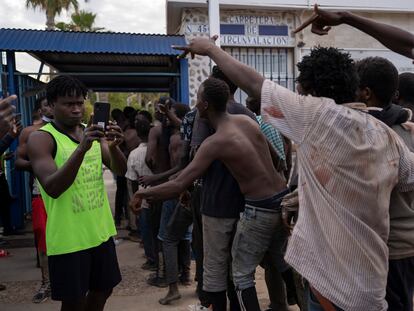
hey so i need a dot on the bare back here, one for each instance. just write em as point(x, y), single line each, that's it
point(242, 147)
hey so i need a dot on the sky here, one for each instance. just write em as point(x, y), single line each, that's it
point(139, 16)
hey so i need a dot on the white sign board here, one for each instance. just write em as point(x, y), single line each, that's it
point(248, 30)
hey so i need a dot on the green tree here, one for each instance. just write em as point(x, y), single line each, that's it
point(52, 8)
point(80, 21)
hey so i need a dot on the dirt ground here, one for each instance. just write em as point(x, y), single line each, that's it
point(19, 273)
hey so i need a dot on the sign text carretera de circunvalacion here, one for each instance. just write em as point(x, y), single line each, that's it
point(248, 30)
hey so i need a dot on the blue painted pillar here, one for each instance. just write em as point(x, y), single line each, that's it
point(14, 178)
point(184, 85)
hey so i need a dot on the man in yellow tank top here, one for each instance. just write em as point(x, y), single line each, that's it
point(67, 160)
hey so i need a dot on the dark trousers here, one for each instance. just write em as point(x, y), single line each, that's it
point(197, 243)
point(173, 261)
point(121, 199)
point(275, 285)
point(5, 204)
point(400, 285)
point(155, 217)
point(146, 233)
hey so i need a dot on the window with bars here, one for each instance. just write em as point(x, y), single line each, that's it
point(275, 64)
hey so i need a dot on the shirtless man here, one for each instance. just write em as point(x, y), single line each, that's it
point(172, 242)
point(261, 185)
point(45, 112)
point(158, 160)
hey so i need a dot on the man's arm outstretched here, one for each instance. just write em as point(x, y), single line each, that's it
point(205, 155)
point(396, 39)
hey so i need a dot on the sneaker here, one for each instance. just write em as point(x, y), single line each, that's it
point(198, 307)
point(157, 282)
point(42, 294)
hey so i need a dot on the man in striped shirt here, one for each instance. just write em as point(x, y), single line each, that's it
point(349, 163)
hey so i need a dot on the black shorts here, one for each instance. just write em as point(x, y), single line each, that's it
point(73, 275)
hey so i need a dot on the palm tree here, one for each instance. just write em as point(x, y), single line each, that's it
point(52, 8)
point(80, 21)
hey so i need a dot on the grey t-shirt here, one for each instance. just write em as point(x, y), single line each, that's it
point(401, 239)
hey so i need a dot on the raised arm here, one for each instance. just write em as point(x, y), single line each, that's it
point(240, 74)
point(396, 39)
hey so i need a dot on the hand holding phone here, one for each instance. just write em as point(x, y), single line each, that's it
point(114, 134)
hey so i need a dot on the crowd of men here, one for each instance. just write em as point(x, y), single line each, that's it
point(332, 226)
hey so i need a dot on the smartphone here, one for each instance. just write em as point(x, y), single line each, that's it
point(101, 114)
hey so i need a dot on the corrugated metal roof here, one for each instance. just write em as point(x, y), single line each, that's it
point(29, 40)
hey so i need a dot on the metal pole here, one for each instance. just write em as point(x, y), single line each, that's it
point(214, 21)
point(214, 18)
point(11, 66)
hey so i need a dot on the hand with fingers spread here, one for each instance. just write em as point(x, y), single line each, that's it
point(321, 21)
point(199, 46)
point(114, 135)
point(6, 114)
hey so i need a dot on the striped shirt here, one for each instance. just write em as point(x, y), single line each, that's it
point(349, 162)
point(273, 136)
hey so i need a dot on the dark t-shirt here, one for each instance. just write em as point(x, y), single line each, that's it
point(220, 194)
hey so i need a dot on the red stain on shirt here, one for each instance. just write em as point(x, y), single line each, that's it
point(274, 112)
point(322, 175)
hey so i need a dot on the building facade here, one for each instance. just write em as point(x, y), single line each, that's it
point(260, 34)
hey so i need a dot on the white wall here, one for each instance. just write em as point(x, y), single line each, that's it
point(365, 5)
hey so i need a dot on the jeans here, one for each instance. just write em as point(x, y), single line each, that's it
point(166, 213)
point(259, 231)
point(146, 234)
point(176, 249)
